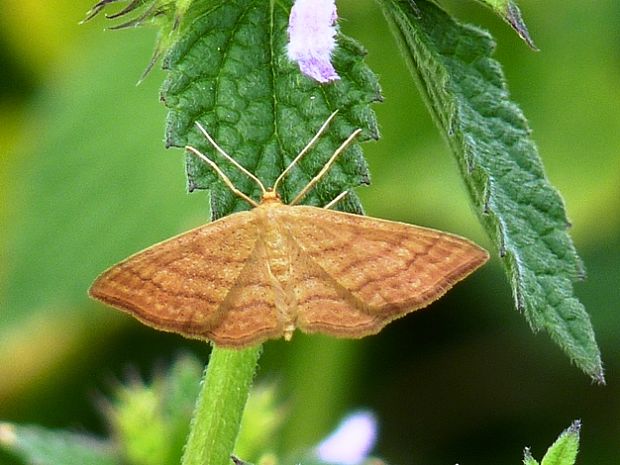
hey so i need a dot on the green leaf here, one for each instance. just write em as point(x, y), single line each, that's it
point(229, 71)
point(562, 452)
point(151, 421)
point(527, 457)
point(509, 12)
point(39, 446)
point(489, 136)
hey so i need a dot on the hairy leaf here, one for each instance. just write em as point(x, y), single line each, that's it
point(509, 12)
point(466, 93)
point(229, 71)
point(39, 446)
point(562, 452)
point(528, 459)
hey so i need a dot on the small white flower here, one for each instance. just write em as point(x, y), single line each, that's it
point(312, 38)
point(351, 442)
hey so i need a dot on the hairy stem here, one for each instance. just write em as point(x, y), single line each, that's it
point(219, 408)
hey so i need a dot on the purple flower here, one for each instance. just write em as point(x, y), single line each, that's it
point(352, 441)
point(311, 35)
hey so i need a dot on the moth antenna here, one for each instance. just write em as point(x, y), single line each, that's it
point(336, 199)
point(221, 174)
point(325, 168)
point(230, 159)
point(305, 149)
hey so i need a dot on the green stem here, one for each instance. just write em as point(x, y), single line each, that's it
point(220, 405)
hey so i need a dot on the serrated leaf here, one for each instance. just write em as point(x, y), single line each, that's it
point(509, 12)
point(39, 446)
point(527, 457)
point(522, 213)
point(564, 450)
point(229, 71)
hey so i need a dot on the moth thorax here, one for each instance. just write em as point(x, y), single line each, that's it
point(278, 253)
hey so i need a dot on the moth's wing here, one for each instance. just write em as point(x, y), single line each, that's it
point(379, 270)
point(324, 304)
point(180, 285)
point(248, 315)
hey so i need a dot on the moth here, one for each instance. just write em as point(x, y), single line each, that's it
point(263, 273)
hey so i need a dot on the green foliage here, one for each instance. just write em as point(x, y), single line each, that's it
point(151, 421)
point(562, 452)
point(465, 90)
point(88, 158)
point(35, 445)
point(528, 459)
point(229, 71)
point(61, 157)
point(262, 418)
point(509, 12)
point(165, 15)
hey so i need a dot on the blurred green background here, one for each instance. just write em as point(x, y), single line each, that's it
point(85, 181)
